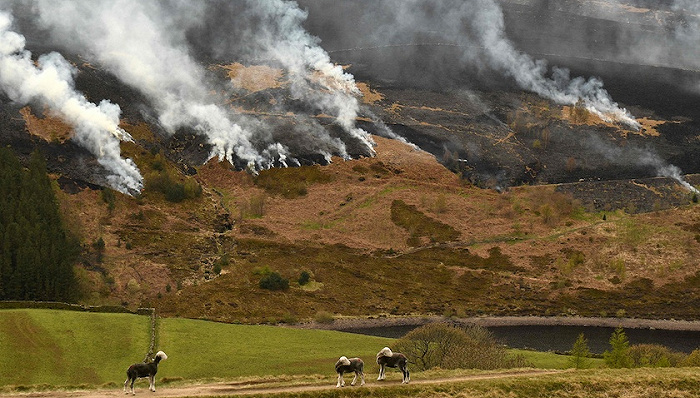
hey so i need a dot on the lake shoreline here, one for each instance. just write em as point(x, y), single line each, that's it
point(353, 323)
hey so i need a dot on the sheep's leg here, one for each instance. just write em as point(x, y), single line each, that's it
point(152, 383)
point(132, 386)
point(341, 382)
point(354, 379)
point(126, 383)
point(362, 375)
point(381, 372)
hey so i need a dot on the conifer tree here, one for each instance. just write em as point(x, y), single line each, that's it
point(580, 353)
point(618, 356)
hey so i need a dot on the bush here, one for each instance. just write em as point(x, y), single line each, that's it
point(693, 359)
point(292, 182)
point(654, 356)
point(324, 317)
point(173, 190)
point(274, 281)
point(304, 278)
point(109, 198)
point(453, 347)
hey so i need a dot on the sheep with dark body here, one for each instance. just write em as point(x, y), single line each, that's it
point(141, 370)
point(393, 360)
point(345, 365)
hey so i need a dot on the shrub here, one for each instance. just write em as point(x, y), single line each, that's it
point(99, 246)
point(693, 359)
point(109, 198)
point(324, 317)
point(173, 190)
point(654, 356)
point(453, 347)
point(578, 113)
point(291, 182)
point(274, 281)
point(304, 278)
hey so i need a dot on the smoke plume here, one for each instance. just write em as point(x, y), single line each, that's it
point(634, 155)
point(49, 82)
point(149, 46)
point(142, 43)
point(314, 78)
point(477, 29)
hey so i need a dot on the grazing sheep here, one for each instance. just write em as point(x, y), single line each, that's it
point(345, 365)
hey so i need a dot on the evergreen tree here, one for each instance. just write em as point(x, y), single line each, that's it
point(619, 354)
point(580, 353)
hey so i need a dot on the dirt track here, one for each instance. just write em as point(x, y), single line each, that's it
point(218, 389)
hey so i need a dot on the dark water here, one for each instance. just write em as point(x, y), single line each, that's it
point(562, 338)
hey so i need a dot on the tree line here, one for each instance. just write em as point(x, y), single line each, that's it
point(37, 253)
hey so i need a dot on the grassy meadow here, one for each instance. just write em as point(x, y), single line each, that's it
point(69, 347)
point(619, 383)
point(201, 349)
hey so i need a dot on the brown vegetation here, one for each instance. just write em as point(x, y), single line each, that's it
point(395, 234)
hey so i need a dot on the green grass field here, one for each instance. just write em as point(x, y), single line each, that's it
point(68, 349)
point(201, 349)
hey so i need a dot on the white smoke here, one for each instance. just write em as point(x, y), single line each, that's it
point(641, 157)
point(49, 81)
point(477, 29)
point(675, 172)
point(145, 44)
point(142, 43)
point(314, 79)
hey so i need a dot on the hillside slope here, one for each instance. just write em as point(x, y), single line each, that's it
point(392, 234)
point(504, 203)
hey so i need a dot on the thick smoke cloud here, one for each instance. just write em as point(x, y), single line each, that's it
point(149, 46)
point(476, 31)
point(314, 79)
point(142, 43)
point(49, 82)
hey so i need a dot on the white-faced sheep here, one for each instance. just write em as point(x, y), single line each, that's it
point(141, 370)
point(393, 360)
point(345, 365)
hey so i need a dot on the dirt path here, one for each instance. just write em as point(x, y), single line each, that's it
point(238, 388)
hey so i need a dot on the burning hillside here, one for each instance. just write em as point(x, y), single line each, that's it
point(483, 85)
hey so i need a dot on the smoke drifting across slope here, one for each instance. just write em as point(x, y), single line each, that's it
point(475, 32)
point(148, 45)
point(49, 82)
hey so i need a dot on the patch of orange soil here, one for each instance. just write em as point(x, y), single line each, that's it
point(49, 128)
point(648, 126)
point(253, 78)
point(369, 96)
